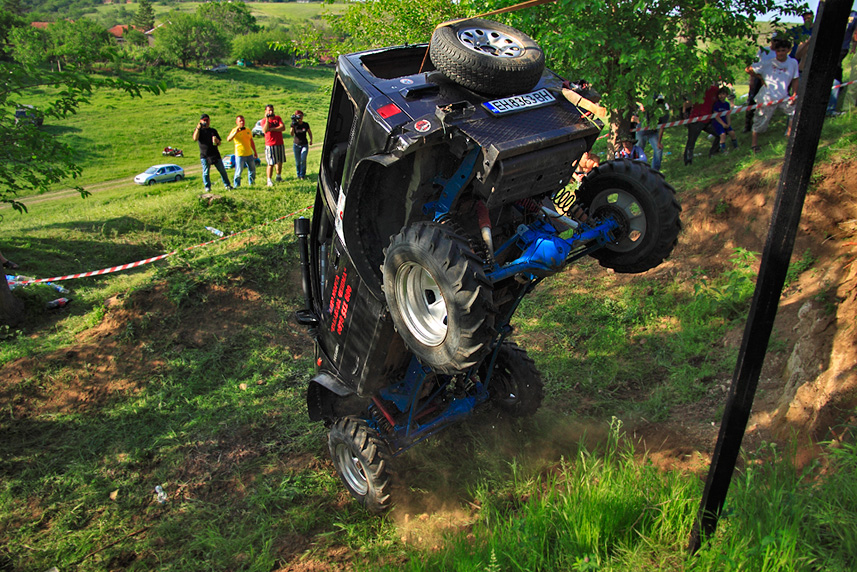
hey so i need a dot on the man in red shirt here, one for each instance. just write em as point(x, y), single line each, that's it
point(694, 129)
point(275, 151)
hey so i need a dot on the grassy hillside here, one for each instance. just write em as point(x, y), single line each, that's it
point(117, 137)
point(190, 374)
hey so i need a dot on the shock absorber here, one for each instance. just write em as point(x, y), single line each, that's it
point(485, 227)
point(382, 419)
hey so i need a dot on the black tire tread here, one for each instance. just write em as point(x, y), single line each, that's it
point(481, 72)
point(665, 220)
point(375, 454)
point(462, 269)
point(514, 362)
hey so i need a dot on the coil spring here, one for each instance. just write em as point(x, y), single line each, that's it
point(380, 421)
point(564, 200)
point(477, 245)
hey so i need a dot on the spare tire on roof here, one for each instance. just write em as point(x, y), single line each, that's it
point(487, 57)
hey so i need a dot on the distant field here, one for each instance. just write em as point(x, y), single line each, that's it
point(264, 11)
point(117, 137)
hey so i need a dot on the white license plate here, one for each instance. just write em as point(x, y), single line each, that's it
point(520, 102)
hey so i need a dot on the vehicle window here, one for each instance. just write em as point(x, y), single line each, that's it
point(160, 171)
point(390, 64)
point(150, 171)
point(340, 126)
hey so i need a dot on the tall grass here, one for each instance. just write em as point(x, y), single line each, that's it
point(607, 510)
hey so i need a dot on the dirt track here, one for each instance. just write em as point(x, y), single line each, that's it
point(192, 169)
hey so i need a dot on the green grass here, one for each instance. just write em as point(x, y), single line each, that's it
point(118, 137)
point(605, 510)
point(218, 418)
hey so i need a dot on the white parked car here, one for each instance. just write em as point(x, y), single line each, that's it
point(229, 161)
point(160, 174)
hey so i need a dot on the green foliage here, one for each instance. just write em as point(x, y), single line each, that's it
point(800, 266)
point(234, 18)
point(629, 50)
point(144, 19)
point(191, 38)
point(259, 47)
point(730, 294)
point(393, 22)
point(135, 37)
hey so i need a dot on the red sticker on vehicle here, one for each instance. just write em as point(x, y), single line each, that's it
point(422, 125)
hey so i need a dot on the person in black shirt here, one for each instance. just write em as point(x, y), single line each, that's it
point(303, 139)
point(208, 139)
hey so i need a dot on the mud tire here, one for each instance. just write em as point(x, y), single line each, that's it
point(516, 387)
point(362, 460)
point(439, 297)
point(646, 208)
point(487, 57)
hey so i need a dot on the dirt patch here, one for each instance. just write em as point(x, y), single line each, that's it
point(116, 357)
point(811, 386)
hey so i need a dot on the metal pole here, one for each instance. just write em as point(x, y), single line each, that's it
point(813, 96)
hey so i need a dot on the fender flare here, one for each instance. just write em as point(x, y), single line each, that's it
point(322, 392)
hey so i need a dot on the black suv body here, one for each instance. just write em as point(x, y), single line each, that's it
point(440, 205)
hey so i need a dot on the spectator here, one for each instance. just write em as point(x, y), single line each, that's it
point(800, 34)
point(763, 55)
point(694, 129)
point(208, 139)
point(8, 264)
point(657, 115)
point(848, 44)
point(275, 151)
point(300, 131)
point(629, 150)
point(245, 152)
point(723, 125)
point(587, 162)
point(780, 75)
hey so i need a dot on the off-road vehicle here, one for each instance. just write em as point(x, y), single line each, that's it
point(443, 199)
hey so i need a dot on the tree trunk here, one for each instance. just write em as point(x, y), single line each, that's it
point(11, 309)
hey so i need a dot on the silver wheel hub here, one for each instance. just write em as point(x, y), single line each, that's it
point(491, 42)
point(421, 304)
point(352, 469)
point(633, 218)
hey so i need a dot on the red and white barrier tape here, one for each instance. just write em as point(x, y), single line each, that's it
point(736, 109)
point(155, 258)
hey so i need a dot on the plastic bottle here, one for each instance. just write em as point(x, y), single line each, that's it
point(214, 230)
point(58, 303)
point(58, 288)
point(162, 496)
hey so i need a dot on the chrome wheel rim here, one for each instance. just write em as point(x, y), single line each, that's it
point(421, 304)
point(629, 214)
point(352, 469)
point(491, 42)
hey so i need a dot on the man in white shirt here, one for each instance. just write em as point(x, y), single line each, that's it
point(780, 76)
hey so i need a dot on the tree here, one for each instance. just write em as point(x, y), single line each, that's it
point(33, 159)
point(29, 45)
point(135, 37)
point(191, 38)
point(393, 22)
point(259, 47)
point(80, 43)
point(144, 19)
point(234, 18)
point(630, 50)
